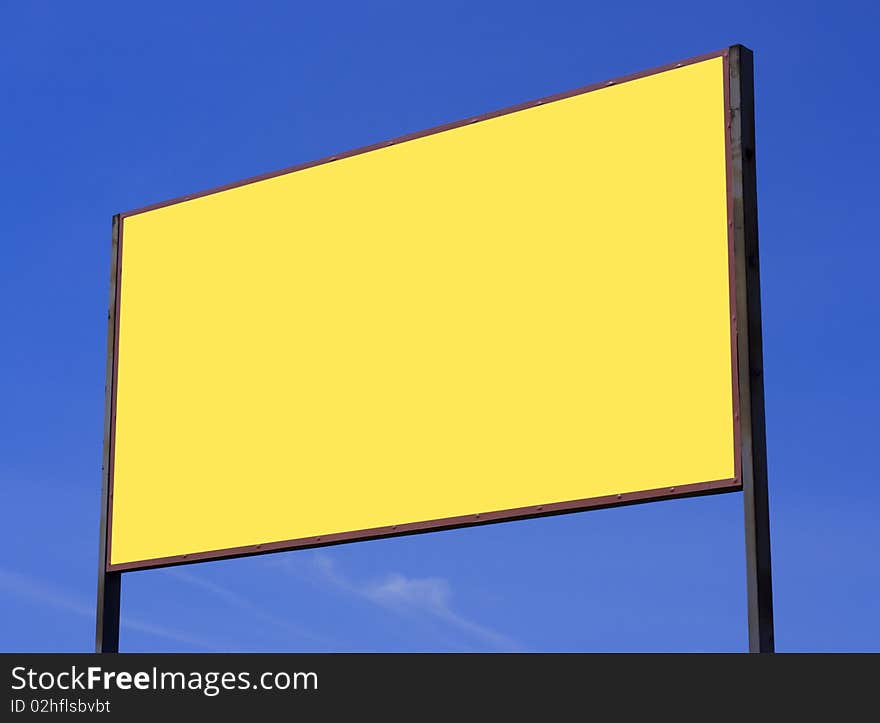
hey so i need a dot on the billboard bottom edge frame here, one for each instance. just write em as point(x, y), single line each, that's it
point(448, 523)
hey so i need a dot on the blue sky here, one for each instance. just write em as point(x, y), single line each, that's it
point(110, 106)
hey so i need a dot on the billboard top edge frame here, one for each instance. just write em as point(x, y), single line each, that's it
point(723, 53)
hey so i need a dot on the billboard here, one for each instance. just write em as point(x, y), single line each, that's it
point(524, 313)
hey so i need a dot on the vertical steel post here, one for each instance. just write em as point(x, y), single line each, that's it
point(109, 583)
point(107, 628)
point(750, 351)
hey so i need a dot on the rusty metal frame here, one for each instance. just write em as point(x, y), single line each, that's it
point(748, 414)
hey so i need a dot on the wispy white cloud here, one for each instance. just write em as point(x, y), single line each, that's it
point(234, 599)
point(431, 595)
point(35, 590)
point(400, 594)
point(24, 586)
point(160, 631)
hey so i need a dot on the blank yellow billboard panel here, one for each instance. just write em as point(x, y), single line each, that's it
point(523, 311)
